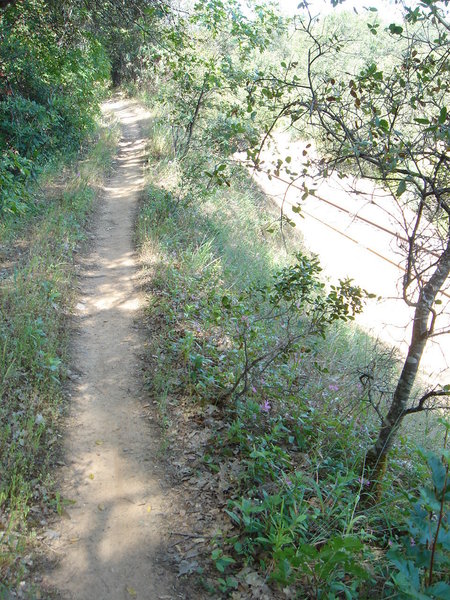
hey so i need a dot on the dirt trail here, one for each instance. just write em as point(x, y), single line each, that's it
point(109, 543)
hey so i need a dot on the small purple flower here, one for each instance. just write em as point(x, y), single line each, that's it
point(253, 389)
point(265, 407)
point(288, 482)
point(333, 387)
point(412, 541)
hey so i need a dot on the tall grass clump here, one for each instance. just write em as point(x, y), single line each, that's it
point(36, 296)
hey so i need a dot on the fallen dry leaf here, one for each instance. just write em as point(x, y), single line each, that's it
point(187, 567)
point(51, 534)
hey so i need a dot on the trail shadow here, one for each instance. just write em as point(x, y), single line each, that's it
point(117, 501)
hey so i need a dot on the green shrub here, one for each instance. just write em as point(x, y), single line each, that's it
point(422, 555)
point(50, 86)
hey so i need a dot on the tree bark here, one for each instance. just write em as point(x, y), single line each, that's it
point(194, 117)
point(420, 335)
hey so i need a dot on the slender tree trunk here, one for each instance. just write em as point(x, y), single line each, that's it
point(422, 330)
point(194, 117)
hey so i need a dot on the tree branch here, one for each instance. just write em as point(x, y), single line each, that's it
point(421, 404)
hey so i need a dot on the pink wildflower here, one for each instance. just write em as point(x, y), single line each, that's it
point(265, 407)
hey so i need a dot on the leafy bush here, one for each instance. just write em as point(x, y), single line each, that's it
point(49, 91)
point(15, 172)
point(422, 556)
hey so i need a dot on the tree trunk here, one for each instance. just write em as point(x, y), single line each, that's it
point(376, 458)
point(116, 71)
point(191, 125)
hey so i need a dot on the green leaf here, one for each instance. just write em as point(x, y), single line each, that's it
point(395, 29)
point(231, 582)
point(440, 590)
point(233, 516)
point(226, 302)
point(438, 470)
point(217, 553)
point(443, 115)
point(422, 121)
point(223, 562)
point(401, 187)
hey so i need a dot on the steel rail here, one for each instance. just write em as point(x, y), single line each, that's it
point(356, 216)
point(368, 221)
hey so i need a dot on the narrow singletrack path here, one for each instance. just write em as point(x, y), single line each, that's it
point(108, 542)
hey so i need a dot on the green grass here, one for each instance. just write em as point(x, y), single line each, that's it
point(36, 298)
point(302, 426)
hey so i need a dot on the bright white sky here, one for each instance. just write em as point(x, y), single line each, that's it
point(324, 6)
point(289, 7)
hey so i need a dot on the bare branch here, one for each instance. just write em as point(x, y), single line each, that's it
point(421, 404)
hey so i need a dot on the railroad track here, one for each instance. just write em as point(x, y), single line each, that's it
point(373, 224)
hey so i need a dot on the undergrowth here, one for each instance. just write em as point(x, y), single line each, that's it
point(37, 275)
point(245, 330)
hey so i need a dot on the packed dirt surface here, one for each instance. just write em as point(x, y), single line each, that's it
point(109, 543)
